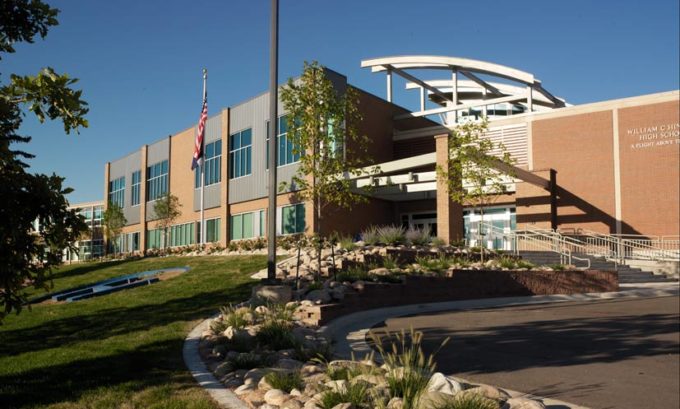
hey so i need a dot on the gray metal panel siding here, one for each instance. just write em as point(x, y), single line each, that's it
point(157, 152)
point(213, 132)
point(213, 128)
point(150, 213)
point(211, 197)
point(254, 114)
point(125, 167)
point(131, 215)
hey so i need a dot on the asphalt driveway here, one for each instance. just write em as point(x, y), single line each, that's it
point(605, 354)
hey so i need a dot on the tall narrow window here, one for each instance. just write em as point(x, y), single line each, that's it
point(212, 230)
point(156, 180)
point(213, 165)
point(286, 149)
point(135, 187)
point(117, 191)
point(240, 151)
point(292, 219)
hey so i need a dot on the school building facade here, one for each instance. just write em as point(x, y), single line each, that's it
point(610, 167)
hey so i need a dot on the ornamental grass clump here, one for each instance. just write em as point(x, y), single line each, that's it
point(391, 235)
point(357, 393)
point(418, 237)
point(347, 243)
point(467, 401)
point(276, 335)
point(370, 236)
point(353, 274)
point(285, 381)
point(390, 262)
point(409, 368)
point(247, 360)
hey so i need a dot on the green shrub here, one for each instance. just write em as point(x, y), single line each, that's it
point(370, 236)
point(347, 243)
point(248, 360)
point(232, 246)
point(410, 369)
point(236, 317)
point(276, 335)
point(435, 264)
point(319, 352)
point(525, 264)
point(391, 235)
point(438, 242)
point(353, 274)
point(418, 237)
point(358, 394)
point(507, 262)
point(259, 243)
point(280, 313)
point(314, 285)
point(390, 262)
point(557, 267)
point(338, 373)
point(467, 401)
point(285, 381)
point(218, 327)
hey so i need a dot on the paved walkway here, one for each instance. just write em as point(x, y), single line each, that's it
point(611, 350)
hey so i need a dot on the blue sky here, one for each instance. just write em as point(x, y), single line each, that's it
point(139, 62)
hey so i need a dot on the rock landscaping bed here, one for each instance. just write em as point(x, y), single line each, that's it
point(342, 279)
point(271, 360)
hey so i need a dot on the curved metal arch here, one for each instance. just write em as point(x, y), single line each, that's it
point(447, 63)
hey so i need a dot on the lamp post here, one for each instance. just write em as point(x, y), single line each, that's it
point(273, 125)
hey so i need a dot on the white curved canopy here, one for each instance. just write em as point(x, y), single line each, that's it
point(453, 98)
point(439, 62)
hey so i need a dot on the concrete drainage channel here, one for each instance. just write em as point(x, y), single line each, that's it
point(348, 334)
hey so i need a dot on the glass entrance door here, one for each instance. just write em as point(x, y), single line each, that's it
point(478, 233)
point(424, 220)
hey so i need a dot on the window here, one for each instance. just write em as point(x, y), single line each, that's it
point(263, 223)
point(134, 188)
point(240, 151)
point(156, 180)
point(117, 191)
point(292, 219)
point(212, 163)
point(287, 152)
point(212, 230)
point(182, 234)
point(153, 238)
point(241, 226)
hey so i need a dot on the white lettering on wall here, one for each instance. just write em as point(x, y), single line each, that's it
point(654, 136)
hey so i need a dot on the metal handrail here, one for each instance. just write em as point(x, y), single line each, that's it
point(630, 246)
point(539, 240)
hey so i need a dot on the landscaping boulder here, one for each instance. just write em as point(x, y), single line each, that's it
point(272, 294)
point(318, 296)
point(490, 392)
point(275, 397)
point(440, 383)
point(522, 403)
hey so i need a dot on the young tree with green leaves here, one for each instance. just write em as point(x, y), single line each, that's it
point(167, 210)
point(27, 256)
point(114, 221)
point(472, 175)
point(323, 126)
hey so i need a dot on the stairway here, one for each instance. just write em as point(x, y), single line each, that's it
point(626, 274)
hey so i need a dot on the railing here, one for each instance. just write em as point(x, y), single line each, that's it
point(618, 248)
point(537, 240)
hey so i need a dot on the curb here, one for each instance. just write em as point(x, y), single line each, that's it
point(192, 359)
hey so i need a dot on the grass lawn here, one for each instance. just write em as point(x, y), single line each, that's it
point(122, 350)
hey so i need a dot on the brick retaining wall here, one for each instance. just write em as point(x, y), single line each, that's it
point(464, 285)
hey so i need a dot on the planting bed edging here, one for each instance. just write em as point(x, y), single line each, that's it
point(192, 359)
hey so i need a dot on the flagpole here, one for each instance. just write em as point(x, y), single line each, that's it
point(273, 125)
point(205, 81)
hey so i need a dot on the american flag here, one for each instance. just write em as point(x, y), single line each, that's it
point(198, 143)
